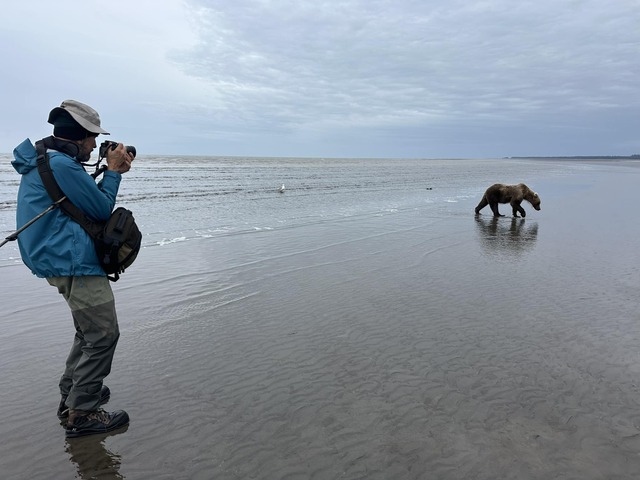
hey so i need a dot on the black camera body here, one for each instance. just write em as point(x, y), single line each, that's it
point(108, 144)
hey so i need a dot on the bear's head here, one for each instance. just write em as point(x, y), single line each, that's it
point(535, 200)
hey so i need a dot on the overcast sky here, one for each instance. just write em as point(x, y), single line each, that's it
point(329, 78)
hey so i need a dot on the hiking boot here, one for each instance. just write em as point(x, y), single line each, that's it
point(63, 410)
point(83, 423)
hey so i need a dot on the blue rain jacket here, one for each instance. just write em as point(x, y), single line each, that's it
point(55, 245)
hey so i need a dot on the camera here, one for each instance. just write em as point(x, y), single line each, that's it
point(108, 144)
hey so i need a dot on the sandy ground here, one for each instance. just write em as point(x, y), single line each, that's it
point(394, 346)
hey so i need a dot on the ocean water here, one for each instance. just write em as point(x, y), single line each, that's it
point(176, 199)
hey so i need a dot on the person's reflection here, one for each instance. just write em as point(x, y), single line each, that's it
point(500, 235)
point(92, 459)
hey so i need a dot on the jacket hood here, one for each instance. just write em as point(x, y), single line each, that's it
point(25, 157)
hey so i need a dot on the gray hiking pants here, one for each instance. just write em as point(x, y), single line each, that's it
point(94, 316)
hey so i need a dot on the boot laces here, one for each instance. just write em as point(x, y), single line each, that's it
point(100, 415)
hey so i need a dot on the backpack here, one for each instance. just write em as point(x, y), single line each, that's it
point(117, 241)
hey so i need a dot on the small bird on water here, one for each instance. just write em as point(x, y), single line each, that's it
point(281, 189)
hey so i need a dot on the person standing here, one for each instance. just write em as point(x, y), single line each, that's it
point(59, 249)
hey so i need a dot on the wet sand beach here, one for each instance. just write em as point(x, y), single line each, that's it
point(417, 344)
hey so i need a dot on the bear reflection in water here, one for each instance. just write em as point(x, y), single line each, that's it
point(500, 235)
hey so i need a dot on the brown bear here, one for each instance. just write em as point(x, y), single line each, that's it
point(513, 194)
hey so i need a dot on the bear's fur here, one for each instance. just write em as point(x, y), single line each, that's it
point(512, 194)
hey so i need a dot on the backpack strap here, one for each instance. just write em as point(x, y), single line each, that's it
point(58, 196)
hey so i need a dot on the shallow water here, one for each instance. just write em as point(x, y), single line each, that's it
point(184, 198)
point(415, 342)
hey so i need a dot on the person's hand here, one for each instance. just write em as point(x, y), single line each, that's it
point(119, 160)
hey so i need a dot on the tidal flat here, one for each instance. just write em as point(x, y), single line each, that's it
point(412, 343)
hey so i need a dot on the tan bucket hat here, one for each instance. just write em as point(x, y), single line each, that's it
point(86, 116)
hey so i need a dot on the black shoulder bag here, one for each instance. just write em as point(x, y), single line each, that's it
point(117, 241)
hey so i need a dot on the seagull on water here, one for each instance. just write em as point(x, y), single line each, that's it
point(281, 189)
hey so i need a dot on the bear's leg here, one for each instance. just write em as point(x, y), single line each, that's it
point(494, 209)
point(518, 208)
point(483, 203)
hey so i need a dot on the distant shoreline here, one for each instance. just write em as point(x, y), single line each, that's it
point(581, 157)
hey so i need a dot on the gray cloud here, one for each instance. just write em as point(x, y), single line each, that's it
point(335, 65)
point(393, 78)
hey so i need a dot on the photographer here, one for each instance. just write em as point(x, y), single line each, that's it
point(60, 250)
